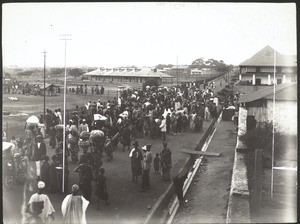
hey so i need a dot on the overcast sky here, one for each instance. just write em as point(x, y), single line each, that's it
point(143, 34)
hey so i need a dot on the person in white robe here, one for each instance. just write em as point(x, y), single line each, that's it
point(74, 207)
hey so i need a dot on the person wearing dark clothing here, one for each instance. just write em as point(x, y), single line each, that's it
point(101, 190)
point(156, 163)
point(53, 180)
point(184, 121)
point(166, 162)
point(214, 112)
point(136, 162)
point(40, 148)
point(178, 181)
point(168, 123)
point(147, 160)
point(48, 120)
point(198, 124)
point(125, 138)
point(85, 177)
point(45, 171)
point(52, 132)
point(179, 124)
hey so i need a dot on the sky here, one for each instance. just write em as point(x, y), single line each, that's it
point(143, 34)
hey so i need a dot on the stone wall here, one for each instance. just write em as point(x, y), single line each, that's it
point(238, 210)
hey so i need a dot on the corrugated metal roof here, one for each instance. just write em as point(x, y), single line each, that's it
point(265, 57)
point(287, 91)
point(142, 73)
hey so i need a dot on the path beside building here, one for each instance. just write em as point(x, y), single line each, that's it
point(206, 200)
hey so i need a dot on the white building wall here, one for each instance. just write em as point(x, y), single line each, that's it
point(285, 116)
point(264, 79)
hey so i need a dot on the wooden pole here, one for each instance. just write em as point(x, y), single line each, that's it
point(273, 124)
point(258, 170)
point(64, 117)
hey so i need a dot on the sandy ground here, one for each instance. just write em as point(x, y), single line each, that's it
point(127, 204)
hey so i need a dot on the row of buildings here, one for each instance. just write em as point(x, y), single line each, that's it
point(142, 75)
point(257, 70)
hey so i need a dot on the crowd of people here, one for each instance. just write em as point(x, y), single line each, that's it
point(85, 89)
point(98, 128)
point(19, 87)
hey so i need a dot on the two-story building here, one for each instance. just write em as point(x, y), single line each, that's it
point(180, 71)
point(259, 69)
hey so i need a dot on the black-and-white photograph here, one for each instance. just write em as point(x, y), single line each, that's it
point(149, 112)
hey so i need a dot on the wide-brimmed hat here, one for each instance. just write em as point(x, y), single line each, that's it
point(136, 143)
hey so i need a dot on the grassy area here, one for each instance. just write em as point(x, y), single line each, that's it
point(13, 124)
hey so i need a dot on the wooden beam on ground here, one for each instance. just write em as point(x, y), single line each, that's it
point(201, 153)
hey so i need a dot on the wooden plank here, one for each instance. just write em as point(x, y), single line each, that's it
point(202, 153)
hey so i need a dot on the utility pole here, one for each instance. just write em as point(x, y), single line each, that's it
point(64, 129)
point(44, 52)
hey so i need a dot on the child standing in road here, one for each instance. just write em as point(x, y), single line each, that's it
point(156, 163)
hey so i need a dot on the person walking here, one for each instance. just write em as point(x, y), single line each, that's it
point(42, 128)
point(147, 160)
point(39, 208)
point(163, 128)
point(53, 181)
point(178, 182)
point(52, 132)
point(156, 163)
point(45, 171)
point(39, 152)
point(83, 127)
point(73, 207)
point(206, 113)
point(179, 124)
point(101, 190)
point(126, 137)
point(136, 162)
point(166, 162)
point(85, 177)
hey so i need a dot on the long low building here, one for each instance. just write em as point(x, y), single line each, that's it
point(128, 75)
